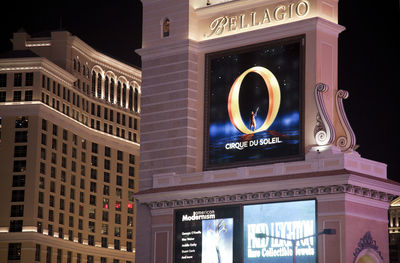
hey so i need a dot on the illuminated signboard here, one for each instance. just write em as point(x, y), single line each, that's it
point(289, 220)
point(231, 234)
point(254, 103)
point(208, 235)
point(272, 14)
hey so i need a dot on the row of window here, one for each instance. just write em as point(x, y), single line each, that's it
point(102, 118)
point(17, 95)
point(77, 153)
point(18, 210)
point(18, 195)
point(18, 79)
point(77, 67)
point(15, 253)
point(18, 182)
point(91, 238)
point(117, 93)
point(66, 94)
point(108, 89)
point(102, 114)
point(94, 146)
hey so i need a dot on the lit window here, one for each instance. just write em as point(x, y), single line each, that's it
point(104, 229)
point(117, 231)
point(130, 208)
point(91, 226)
point(118, 206)
point(166, 27)
point(14, 251)
point(106, 202)
point(21, 122)
point(19, 166)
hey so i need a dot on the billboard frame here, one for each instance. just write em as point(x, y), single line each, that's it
point(240, 208)
point(301, 85)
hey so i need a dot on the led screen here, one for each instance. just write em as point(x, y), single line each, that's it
point(288, 220)
point(253, 110)
point(208, 235)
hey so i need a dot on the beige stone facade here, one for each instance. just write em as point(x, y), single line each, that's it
point(69, 151)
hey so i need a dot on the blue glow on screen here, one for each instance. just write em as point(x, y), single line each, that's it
point(290, 220)
point(225, 129)
point(217, 241)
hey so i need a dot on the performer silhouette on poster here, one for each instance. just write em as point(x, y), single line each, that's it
point(253, 120)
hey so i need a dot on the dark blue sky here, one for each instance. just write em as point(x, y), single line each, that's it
point(368, 56)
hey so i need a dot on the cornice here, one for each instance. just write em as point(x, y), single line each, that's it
point(62, 242)
point(369, 186)
point(38, 108)
point(38, 64)
point(105, 61)
point(292, 193)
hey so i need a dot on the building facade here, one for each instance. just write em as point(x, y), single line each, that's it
point(242, 124)
point(394, 230)
point(69, 151)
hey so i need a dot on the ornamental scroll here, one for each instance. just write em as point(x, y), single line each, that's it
point(324, 131)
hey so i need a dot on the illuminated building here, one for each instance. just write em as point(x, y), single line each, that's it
point(69, 150)
point(202, 168)
point(394, 230)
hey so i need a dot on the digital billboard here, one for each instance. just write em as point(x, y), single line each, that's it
point(208, 235)
point(288, 220)
point(244, 233)
point(254, 104)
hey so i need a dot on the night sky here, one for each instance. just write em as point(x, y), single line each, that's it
point(368, 55)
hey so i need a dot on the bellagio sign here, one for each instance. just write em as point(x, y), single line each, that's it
point(271, 14)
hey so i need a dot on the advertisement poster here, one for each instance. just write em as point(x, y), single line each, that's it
point(254, 104)
point(288, 220)
point(217, 241)
point(208, 235)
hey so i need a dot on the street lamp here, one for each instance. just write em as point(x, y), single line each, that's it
point(326, 231)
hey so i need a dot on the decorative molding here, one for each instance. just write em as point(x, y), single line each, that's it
point(74, 245)
point(38, 64)
point(324, 131)
point(348, 142)
point(271, 195)
point(366, 242)
point(105, 61)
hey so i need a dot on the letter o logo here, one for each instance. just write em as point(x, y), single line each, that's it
point(274, 94)
point(302, 8)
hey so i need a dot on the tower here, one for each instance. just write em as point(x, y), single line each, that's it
point(204, 171)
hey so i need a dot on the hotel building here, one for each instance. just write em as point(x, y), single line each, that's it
point(212, 187)
point(69, 152)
